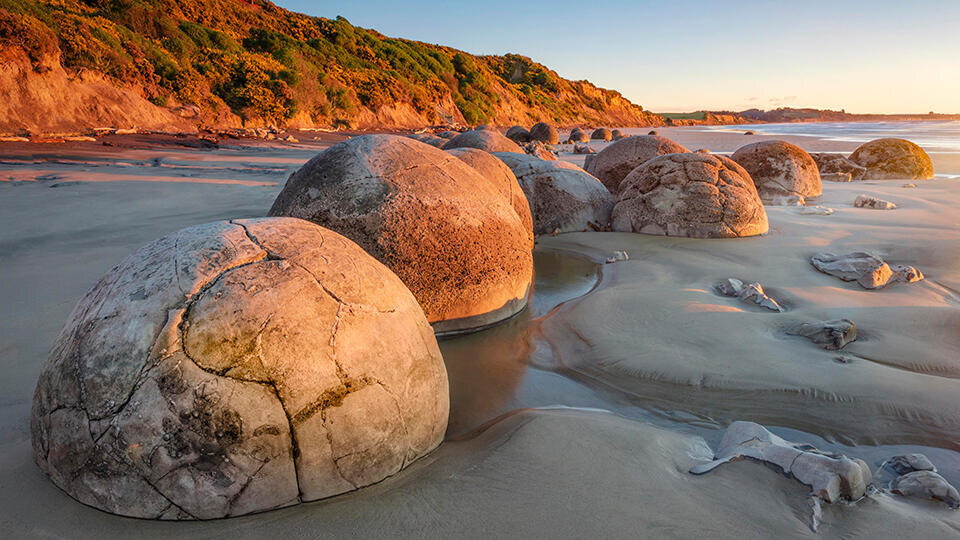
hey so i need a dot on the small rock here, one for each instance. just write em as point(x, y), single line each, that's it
point(787, 200)
point(816, 210)
point(617, 257)
point(836, 177)
point(583, 149)
point(653, 132)
point(926, 485)
point(909, 185)
point(291, 139)
point(908, 463)
point(748, 133)
point(906, 274)
point(831, 335)
point(750, 293)
point(865, 201)
point(540, 150)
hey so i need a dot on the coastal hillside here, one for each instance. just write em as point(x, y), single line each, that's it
point(70, 65)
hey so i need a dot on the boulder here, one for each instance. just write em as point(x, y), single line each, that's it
point(908, 463)
point(926, 485)
point(831, 477)
point(696, 195)
point(562, 196)
point(578, 136)
point(482, 139)
point(583, 149)
point(446, 231)
point(612, 164)
point(502, 178)
point(886, 159)
point(836, 177)
point(830, 163)
point(236, 367)
point(617, 134)
point(518, 134)
point(866, 201)
point(779, 168)
point(545, 133)
point(601, 134)
point(831, 335)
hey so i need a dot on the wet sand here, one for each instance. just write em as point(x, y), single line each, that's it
point(644, 339)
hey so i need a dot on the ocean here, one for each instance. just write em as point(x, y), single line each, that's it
point(932, 136)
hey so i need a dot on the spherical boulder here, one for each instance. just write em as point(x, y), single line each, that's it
point(562, 196)
point(893, 159)
point(614, 162)
point(578, 135)
point(601, 134)
point(235, 367)
point(691, 194)
point(448, 233)
point(617, 134)
point(780, 169)
point(502, 178)
point(483, 139)
point(544, 132)
point(518, 134)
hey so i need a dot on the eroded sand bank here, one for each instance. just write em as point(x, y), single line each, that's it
point(652, 342)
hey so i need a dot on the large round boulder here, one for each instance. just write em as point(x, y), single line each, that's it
point(482, 139)
point(893, 159)
point(779, 168)
point(502, 178)
point(693, 194)
point(447, 232)
point(562, 196)
point(601, 134)
point(612, 164)
point(235, 367)
point(518, 134)
point(545, 133)
point(578, 135)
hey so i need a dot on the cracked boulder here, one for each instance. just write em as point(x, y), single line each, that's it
point(562, 196)
point(236, 367)
point(449, 233)
point(831, 335)
point(831, 477)
point(886, 159)
point(926, 485)
point(691, 194)
point(779, 168)
point(482, 139)
point(612, 164)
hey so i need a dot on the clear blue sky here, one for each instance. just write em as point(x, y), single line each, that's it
point(679, 55)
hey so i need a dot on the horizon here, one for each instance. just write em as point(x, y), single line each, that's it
point(899, 74)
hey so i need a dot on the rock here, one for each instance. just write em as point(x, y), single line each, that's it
point(617, 257)
point(486, 127)
point(236, 367)
point(867, 269)
point(780, 168)
point(290, 139)
point(836, 177)
point(578, 136)
point(612, 164)
point(695, 195)
point(447, 134)
point(601, 134)
point(617, 134)
point(518, 134)
point(911, 185)
point(702, 151)
point(908, 463)
point(583, 149)
point(445, 230)
point(545, 133)
point(831, 335)
point(865, 201)
point(831, 477)
point(748, 133)
point(502, 178)
point(653, 132)
point(893, 159)
point(562, 196)
point(749, 293)
point(926, 485)
point(482, 139)
point(837, 164)
point(816, 210)
point(786, 200)
point(539, 150)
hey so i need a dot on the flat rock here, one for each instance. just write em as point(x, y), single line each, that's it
point(695, 195)
point(926, 485)
point(612, 164)
point(867, 269)
point(866, 201)
point(831, 477)
point(232, 367)
point(831, 335)
point(779, 168)
point(891, 158)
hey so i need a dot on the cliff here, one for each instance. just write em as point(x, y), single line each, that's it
point(69, 65)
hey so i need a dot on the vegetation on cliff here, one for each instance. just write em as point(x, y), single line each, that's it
point(229, 61)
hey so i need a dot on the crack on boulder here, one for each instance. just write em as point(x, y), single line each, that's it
point(332, 398)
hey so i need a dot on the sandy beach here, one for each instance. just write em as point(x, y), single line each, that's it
point(581, 415)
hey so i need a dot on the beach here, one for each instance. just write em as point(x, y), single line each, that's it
point(582, 414)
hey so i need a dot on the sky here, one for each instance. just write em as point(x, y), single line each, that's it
point(875, 56)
